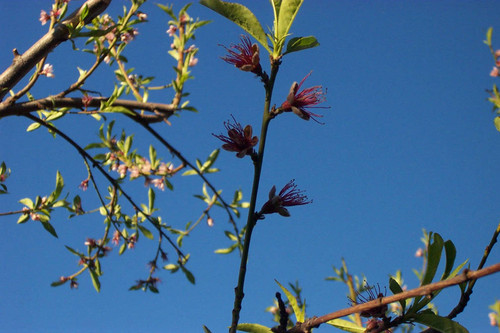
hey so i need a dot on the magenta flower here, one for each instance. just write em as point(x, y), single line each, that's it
point(289, 195)
point(244, 56)
point(297, 102)
point(238, 139)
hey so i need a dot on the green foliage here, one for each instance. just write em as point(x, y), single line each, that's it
point(346, 325)
point(253, 328)
point(240, 15)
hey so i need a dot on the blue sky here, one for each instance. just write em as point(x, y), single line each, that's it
point(409, 143)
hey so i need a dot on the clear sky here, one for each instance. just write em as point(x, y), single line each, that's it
point(408, 143)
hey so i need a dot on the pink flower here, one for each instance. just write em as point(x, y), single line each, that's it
point(497, 56)
point(289, 195)
point(86, 99)
point(47, 70)
point(171, 30)
point(122, 170)
point(297, 102)
point(244, 56)
point(159, 183)
point(84, 185)
point(238, 139)
point(142, 16)
point(116, 237)
point(131, 241)
point(494, 72)
point(44, 17)
point(193, 61)
point(419, 253)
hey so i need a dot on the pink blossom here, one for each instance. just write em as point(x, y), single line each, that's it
point(131, 241)
point(47, 70)
point(134, 172)
point(165, 169)
point(497, 57)
point(494, 72)
point(159, 183)
point(44, 17)
point(244, 56)
point(238, 139)
point(116, 237)
point(84, 184)
point(289, 195)
point(193, 61)
point(419, 253)
point(86, 99)
point(122, 170)
point(171, 30)
point(297, 102)
point(142, 16)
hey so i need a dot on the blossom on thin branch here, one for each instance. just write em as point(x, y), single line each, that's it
point(289, 196)
point(238, 139)
point(298, 102)
point(47, 70)
point(244, 56)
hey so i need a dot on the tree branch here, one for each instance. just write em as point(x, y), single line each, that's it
point(420, 291)
point(23, 63)
point(161, 111)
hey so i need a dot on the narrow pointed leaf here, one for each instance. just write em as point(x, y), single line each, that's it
point(253, 328)
point(442, 324)
point(293, 303)
point(347, 326)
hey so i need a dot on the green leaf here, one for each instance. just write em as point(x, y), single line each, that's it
point(240, 15)
point(206, 330)
point(151, 198)
point(32, 127)
point(145, 232)
point(433, 259)
point(396, 289)
point(47, 226)
point(188, 274)
point(189, 172)
point(95, 280)
point(488, 36)
point(299, 314)
point(497, 123)
point(73, 251)
point(227, 250)
point(451, 254)
point(118, 109)
point(301, 43)
point(59, 186)
point(23, 218)
point(253, 328)
point(346, 325)
point(27, 202)
point(287, 12)
point(442, 324)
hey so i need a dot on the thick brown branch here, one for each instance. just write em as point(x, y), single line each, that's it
point(23, 63)
point(421, 291)
point(50, 103)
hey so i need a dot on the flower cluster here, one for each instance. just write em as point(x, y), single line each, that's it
point(297, 101)
point(244, 56)
point(238, 139)
point(289, 195)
